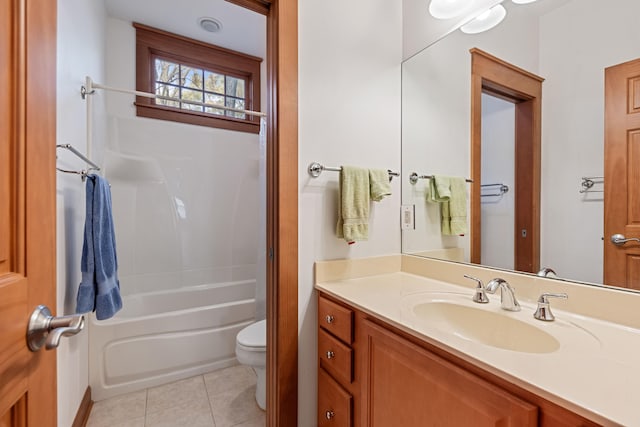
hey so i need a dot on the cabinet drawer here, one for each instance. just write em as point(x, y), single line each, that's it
point(336, 319)
point(334, 403)
point(335, 357)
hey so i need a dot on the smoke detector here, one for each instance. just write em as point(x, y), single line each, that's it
point(211, 25)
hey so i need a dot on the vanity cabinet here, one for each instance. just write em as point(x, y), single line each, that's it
point(372, 374)
point(335, 364)
point(409, 386)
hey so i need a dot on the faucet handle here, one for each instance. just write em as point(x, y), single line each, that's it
point(480, 296)
point(543, 312)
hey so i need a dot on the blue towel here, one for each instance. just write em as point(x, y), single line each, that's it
point(99, 290)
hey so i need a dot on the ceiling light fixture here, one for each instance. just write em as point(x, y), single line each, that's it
point(485, 21)
point(447, 9)
point(211, 25)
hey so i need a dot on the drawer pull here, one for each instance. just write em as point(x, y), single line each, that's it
point(329, 414)
point(329, 318)
point(330, 354)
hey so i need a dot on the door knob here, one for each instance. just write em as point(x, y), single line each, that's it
point(47, 329)
point(619, 239)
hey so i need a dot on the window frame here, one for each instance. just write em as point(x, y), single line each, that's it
point(152, 43)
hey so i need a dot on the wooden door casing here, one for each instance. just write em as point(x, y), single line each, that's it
point(408, 386)
point(27, 206)
point(498, 78)
point(622, 174)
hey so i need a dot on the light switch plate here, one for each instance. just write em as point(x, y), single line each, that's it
point(407, 215)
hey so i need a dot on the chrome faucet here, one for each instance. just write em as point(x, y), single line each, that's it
point(480, 296)
point(546, 272)
point(508, 299)
point(543, 312)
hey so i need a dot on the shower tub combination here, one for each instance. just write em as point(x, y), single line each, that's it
point(165, 336)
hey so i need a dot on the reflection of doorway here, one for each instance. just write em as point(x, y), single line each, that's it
point(497, 169)
point(622, 174)
point(495, 77)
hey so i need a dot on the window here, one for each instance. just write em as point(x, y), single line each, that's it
point(197, 73)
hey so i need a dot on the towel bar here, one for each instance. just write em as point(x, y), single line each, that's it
point(315, 169)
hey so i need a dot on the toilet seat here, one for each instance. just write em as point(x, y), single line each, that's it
point(253, 337)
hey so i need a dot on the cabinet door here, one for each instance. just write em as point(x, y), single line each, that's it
point(406, 385)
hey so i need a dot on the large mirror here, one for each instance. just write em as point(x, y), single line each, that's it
point(568, 44)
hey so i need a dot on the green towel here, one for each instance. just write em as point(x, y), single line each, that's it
point(451, 194)
point(379, 185)
point(353, 204)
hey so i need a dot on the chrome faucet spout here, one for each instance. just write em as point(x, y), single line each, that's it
point(508, 299)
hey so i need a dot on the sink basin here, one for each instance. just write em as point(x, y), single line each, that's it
point(485, 327)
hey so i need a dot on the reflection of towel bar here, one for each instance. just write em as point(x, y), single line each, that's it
point(502, 188)
point(83, 173)
point(414, 177)
point(315, 169)
point(589, 181)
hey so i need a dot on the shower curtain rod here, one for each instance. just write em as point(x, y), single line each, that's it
point(90, 86)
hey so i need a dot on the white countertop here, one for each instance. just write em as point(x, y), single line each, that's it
point(595, 372)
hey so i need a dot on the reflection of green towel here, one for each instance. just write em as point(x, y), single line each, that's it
point(353, 204)
point(379, 184)
point(451, 193)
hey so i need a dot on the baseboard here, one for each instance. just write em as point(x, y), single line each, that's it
point(82, 416)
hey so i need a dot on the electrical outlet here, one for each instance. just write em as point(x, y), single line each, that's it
point(407, 215)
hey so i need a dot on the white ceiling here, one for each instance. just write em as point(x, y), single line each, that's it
point(242, 30)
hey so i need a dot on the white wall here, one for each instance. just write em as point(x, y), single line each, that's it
point(498, 159)
point(81, 47)
point(349, 114)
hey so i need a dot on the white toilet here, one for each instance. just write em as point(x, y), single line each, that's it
point(251, 350)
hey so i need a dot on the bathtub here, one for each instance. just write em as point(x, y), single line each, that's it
point(165, 336)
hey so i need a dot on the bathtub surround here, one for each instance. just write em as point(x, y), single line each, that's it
point(167, 335)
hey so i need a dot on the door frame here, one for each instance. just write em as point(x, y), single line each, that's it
point(282, 208)
point(498, 78)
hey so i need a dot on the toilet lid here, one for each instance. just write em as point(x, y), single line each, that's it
point(254, 335)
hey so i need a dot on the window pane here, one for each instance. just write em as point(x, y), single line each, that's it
point(191, 95)
point(191, 107)
point(191, 77)
point(166, 71)
point(235, 103)
point(166, 90)
point(214, 99)
point(213, 82)
point(235, 87)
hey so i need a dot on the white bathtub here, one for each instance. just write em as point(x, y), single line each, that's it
point(168, 335)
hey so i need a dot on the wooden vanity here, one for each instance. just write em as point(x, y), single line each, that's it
point(371, 373)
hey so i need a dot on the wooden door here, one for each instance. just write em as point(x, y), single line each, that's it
point(409, 386)
point(622, 174)
point(27, 206)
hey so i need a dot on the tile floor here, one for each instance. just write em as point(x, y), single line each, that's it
point(223, 398)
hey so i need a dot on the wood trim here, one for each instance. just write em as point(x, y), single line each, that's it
point(282, 214)
point(492, 75)
point(82, 416)
point(152, 43)
point(259, 6)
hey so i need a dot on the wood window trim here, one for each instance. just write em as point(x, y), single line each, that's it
point(152, 43)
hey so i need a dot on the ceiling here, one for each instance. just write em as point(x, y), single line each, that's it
point(242, 30)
